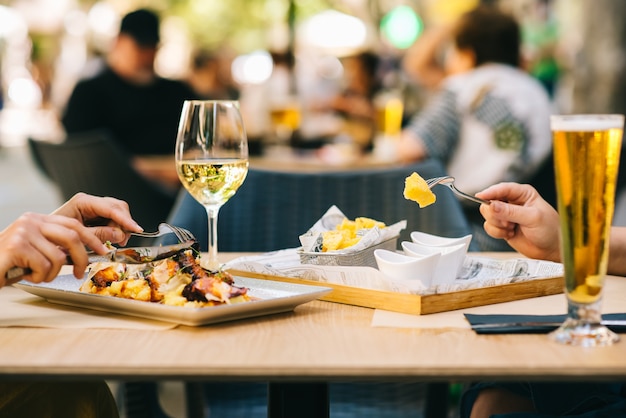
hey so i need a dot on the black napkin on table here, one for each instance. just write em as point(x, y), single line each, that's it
point(543, 323)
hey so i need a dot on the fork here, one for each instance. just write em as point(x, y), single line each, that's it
point(182, 234)
point(449, 181)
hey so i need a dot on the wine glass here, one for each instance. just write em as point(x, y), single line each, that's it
point(586, 159)
point(211, 158)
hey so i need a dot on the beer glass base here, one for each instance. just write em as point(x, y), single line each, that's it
point(582, 333)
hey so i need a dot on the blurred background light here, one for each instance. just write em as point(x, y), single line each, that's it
point(401, 26)
point(174, 54)
point(334, 31)
point(24, 92)
point(253, 68)
point(103, 21)
point(444, 12)
point(12, 25)
point(43, 16)
point(75, 23)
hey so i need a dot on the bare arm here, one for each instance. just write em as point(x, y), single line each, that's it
point(422, 60)
point(410, 148)
point(617, 251)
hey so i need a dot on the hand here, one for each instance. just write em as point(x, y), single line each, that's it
point(108, 218)
point(519, 215)
point(410, 148)
point(41, 243)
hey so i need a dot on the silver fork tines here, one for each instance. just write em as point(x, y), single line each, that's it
point(181, 234)
point(449, 181)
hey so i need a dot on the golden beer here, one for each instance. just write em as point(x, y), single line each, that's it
point(586, 158)
point(389, 116)
point(286, 117)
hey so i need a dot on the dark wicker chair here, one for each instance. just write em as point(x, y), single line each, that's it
point(544, 180)
point(94, 164)
point(272, 208)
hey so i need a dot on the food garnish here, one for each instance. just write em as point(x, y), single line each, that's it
point(416, 189)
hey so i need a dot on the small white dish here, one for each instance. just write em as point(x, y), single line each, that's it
point(437, 241)
point(415, 272)
point(449, 264)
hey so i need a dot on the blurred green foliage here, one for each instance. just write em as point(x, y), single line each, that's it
point(243, 25)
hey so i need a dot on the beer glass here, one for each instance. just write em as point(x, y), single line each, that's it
point(389, 112)
point(586, 160)
point(285, 118)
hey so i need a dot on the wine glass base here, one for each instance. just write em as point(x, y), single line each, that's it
point(584, 334)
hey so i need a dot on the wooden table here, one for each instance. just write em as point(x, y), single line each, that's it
point(318, 342)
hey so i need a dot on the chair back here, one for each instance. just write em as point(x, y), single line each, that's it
point(273, 208)
point(94, 164)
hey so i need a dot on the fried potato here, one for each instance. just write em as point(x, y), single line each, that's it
point(137, 289)
point(350, 242)
point(346, 234)
point(416, 189)
point(367, 223)
point(347, 225)
point(332, 240)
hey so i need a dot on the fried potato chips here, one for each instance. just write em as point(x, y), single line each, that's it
point(347, 234)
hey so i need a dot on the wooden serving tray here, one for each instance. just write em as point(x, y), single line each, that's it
point(425, 304)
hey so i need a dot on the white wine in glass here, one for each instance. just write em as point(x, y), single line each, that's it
point(211, 158)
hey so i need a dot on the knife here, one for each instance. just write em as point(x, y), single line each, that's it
point(539, 324)
point(130, 255)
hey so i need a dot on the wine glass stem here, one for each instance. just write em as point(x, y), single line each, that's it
point(212, 263)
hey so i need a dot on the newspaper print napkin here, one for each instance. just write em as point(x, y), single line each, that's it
point(21, 309)
point(312, 240)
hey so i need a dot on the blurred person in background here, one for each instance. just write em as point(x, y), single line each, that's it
point(360, 85)
point(127, 99)
point(354, 104)
point(488, 120)
point(41, 243)
point(424, 61)
point(208, 77)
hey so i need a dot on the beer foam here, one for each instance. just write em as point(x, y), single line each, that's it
point(586, 123)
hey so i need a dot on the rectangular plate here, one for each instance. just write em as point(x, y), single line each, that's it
point(274, 297)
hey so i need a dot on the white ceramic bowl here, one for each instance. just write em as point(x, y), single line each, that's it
point(449, 264)
point(437, 241)
point(414, 272)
